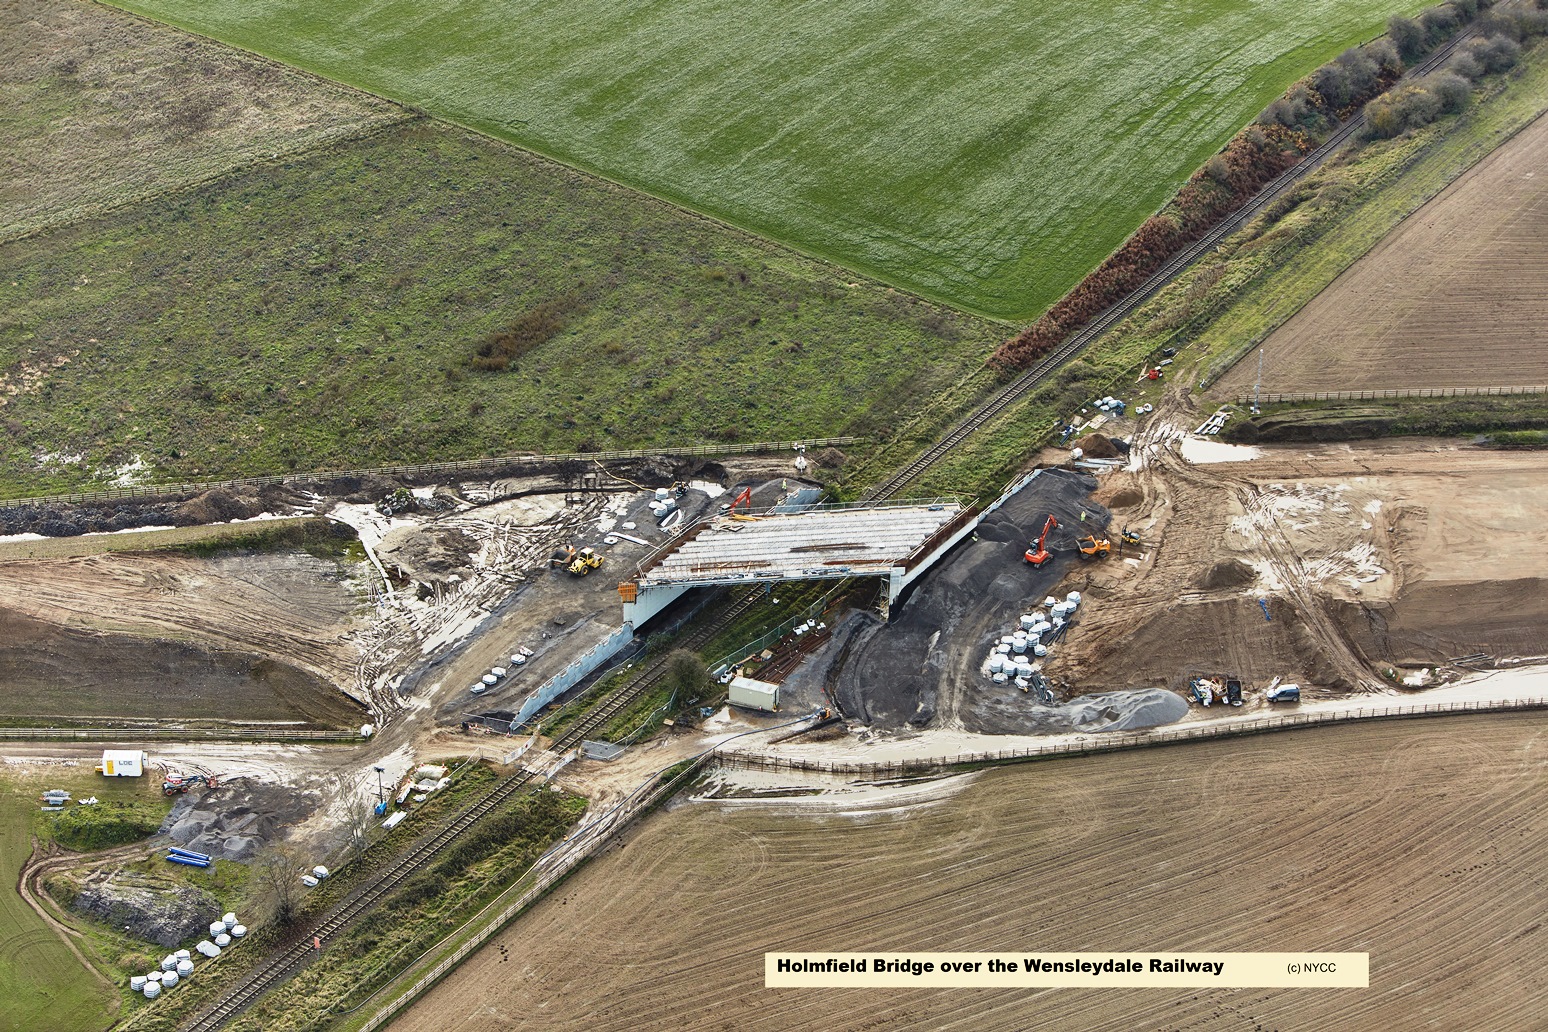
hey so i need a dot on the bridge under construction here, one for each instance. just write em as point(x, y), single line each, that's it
point(896, 541)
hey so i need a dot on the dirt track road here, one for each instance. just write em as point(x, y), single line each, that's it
point(1420, 842)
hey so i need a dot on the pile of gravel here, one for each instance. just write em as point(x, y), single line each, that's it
point(163, 916)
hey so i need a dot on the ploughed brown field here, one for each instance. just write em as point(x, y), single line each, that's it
point(1421, 842)
point(1453, 297)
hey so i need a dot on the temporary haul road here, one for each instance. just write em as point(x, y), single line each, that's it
point(289, 961)
point(430, 846)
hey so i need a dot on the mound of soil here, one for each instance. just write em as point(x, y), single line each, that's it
point(1014, 712)
point(163, 916)
point(234, 822)
point(1097, 446)
point(1430, 623)
point(1230, 573)
point(831, 458)
point(1126, 499)
point(221, 506)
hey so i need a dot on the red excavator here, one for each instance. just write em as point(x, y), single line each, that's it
point(742, 501)
point(1037, 555)
point(177, 784)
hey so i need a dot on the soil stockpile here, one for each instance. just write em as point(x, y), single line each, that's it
point(57, 673)
point(236, 821)
point(1012, 713)
point(1228, 573)
point(896, 674)
point(1430, 623)
point(1096, 446)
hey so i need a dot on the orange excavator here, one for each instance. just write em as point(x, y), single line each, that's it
point(178, 784)
point(743, 501)
point(1037, 555)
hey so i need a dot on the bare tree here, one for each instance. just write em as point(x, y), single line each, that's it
point(277, 877)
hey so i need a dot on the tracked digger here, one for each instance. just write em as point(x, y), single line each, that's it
point(1038, 554)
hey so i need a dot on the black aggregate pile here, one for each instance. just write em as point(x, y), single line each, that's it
point(893, 674)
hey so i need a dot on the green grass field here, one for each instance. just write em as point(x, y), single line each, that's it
point(1221, 309)
point(325, 311)
point(982, 154)
point(42, 984)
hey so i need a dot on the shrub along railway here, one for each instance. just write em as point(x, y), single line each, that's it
point(1078, 342)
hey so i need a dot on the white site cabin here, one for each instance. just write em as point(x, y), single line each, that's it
point(752, 694)
point(123, 763)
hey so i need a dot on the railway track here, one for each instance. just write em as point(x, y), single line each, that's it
point(650, 673)
point(1115, 313)
point(285, 963)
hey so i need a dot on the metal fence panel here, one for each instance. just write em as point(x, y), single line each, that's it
point(1276, 397)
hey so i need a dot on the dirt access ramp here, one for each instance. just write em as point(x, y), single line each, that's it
point(263, 637)
point(1416, 841)
point(1451, 298)
point(923, 668)
point(1391, 554)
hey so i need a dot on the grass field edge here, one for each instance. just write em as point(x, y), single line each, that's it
point(557, 157)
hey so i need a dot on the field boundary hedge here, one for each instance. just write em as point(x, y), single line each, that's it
point(1312, 111)
point(464, 465)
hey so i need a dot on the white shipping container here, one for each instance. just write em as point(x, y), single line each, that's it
point(753, 694)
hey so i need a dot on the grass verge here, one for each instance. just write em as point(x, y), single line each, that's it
point(431, 905)
point(1217, 312)
point(328, 312)
point(1509, 422)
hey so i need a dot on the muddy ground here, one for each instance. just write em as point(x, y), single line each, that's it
point(164, 636)
point(1376, 560)
point(923, 667)
point(1325, 840)
point(558, 616)
point(1461, 276)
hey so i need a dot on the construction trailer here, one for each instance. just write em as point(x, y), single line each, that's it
point(749, 693)
point(123, 763)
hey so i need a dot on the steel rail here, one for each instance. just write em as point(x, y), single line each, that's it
point(295, 955)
